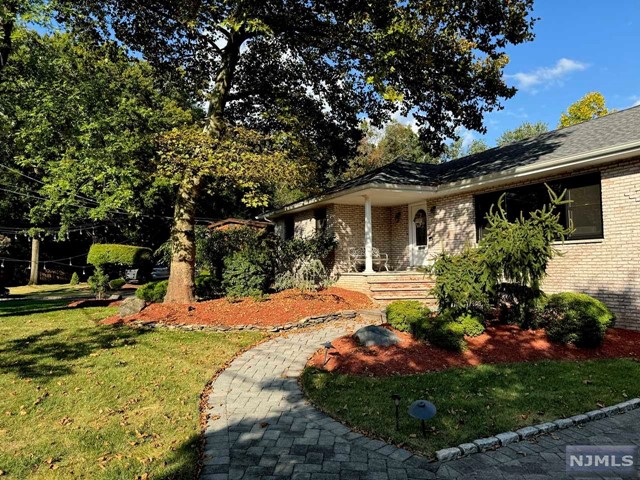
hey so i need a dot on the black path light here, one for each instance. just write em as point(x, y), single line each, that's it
point(327, 346)
point(422, 410)
point(396, 400)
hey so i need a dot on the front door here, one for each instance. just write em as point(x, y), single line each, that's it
point(418, 235)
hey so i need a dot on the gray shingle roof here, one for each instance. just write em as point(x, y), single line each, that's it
point(615, 129)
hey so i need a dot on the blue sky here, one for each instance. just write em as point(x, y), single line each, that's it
point(580, 46)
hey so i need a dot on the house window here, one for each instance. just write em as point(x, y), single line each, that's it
point(420, 223)
point(584, 213)
point(320, 216)
point(289, 228)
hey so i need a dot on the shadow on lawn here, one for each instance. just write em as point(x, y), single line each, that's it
point(15, 308)
point(47, 354)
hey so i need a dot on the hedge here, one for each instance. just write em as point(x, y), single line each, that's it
point(115, 254)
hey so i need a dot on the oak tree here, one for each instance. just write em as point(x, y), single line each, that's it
point(257, 63)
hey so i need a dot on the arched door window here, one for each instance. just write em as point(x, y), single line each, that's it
point(420, 224)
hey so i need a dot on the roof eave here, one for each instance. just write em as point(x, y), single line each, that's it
point(592, 158)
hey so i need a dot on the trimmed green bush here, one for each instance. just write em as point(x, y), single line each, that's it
point(242, 277)
point(472, 325)
point(441, 332)
point(576, 318)
point(153, 292)
point(75, 279)
point(117, 283)
point(113, 254)
point(98, 282)
point(404, 314)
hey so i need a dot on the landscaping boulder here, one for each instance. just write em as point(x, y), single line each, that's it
point(373, 335)
point(131, 306)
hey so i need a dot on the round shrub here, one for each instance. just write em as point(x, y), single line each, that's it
point(447, 335)
point(153, 292)
point(472, 326)
point(403, 314)
point(242, 277)
point(576, 318)
point(117, 283)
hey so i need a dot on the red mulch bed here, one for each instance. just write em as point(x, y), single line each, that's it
point(281, 308)
point(499, 344)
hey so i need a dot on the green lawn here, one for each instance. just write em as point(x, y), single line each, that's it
point(80, 400)
point(54, 290)
point(475, 401)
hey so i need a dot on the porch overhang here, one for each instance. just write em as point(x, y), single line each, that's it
point(380, 195)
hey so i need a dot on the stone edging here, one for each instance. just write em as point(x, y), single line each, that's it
point(303, 323)
point(526, 433)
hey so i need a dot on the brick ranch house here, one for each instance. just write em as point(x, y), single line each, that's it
point(400, 216)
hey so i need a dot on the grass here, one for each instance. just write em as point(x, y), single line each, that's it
point(473, 402)
point(40, 291)
point(82, 400)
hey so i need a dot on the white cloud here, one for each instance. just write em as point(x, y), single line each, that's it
point(546, 76)
point(635, 99)
point(467, 137)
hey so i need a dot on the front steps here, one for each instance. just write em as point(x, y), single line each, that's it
point(387, 287)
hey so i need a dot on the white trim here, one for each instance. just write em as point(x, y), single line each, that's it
point(585, 241)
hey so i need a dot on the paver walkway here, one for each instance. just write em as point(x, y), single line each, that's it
point(261, 427)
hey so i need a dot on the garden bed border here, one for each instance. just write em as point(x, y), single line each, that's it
point(303, 323)
point(528, 433)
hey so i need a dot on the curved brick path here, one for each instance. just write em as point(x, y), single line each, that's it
point(261, 427)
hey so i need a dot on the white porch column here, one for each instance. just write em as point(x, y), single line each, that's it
point(368, 236)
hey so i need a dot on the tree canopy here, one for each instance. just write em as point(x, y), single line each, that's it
point(310, 71)
point(591, 106)
point(522, 132)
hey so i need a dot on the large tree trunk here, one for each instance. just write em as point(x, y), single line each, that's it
point(183, 243)
point(183, 246)
point(35, 258)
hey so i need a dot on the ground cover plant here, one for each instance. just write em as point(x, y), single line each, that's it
point(473, 402)
point(83, 400)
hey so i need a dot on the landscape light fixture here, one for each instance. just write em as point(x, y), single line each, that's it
point(396, 401)
point(422, 410)
point(327, 346)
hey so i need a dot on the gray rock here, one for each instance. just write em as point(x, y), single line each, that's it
point(547, 427)
point(508, 437)
point(562, 423)
point(115, 296)
point(131, 306)
point(612, 410)
point(596, 414)
point(527, 432)
point(487, 443)
point(373, 335)
point(447, 454)
point(468, 448)
point(580, 419)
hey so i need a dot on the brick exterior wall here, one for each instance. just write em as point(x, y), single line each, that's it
point(607, 269)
